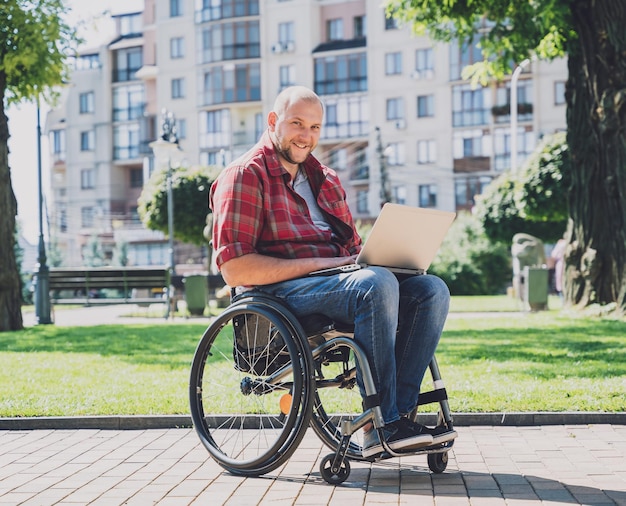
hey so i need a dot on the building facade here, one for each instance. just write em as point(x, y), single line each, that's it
point(401, 123)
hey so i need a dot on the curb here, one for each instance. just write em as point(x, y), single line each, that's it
point(141, 422)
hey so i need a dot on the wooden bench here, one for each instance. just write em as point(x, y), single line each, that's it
point(84, 284)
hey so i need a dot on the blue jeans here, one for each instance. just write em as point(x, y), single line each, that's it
point(397, 323)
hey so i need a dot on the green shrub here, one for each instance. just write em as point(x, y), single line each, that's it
point(469, 262)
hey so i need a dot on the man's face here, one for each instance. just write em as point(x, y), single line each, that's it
point(296, 132)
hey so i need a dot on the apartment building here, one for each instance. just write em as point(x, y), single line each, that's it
point(400, 122)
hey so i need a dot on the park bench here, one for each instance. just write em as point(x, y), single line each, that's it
point(83, 285)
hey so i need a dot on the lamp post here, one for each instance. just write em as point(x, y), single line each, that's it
point(167, 153)
point(42, 272)
point(516, 73)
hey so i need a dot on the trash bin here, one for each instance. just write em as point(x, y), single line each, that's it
point(195, 293)
point(536, 288)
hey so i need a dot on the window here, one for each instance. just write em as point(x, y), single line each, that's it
point(87, 141)
point(338, 159)
point(57, 141)
point(346, 117)
point(236, 83)
point(426, 151)
point(86, 102)
point(471, 143)
point(341, 74)
point(470, 106)
point(86, 217)
point(399, 194)
point(395, 108)
point(126, 141)
point(425, 106)
point(136, 178)
point(526, 143)
point(362, 206)
point(559, 92)
point(396, 153)
point(393, 63)
point(286, 32)
point(427, 195)
point(176, 8)
point(424, 63)
point(334, 29)
point(87, 179)
point(466, 189)
point(211, 10)
point(178, 88)
point(177, 47)
point(127, 63)
point(461, 55)
point(131, 24)
point(215, 129)
point(360, 27)
point(287, 75)
point(502, 109)
point(128, 102)
point(391, 23)
point(181, 128)
point(231, 41)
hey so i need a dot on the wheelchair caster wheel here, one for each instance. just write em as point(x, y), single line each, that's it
point(437, 462)
point(327, 473)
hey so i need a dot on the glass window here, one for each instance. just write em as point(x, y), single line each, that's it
point(396, 153)
point(559, 92)
point(287, 75)
point(87, 102)
point(395, 108)
point(399, 194)
point(128, 102)
point(470, 106)
point(391, 23)
point(131, 24)
point(462, 54)
point(177, 47)
point(178, 88)
point(215, 129)
point(424, 64)
point(471, 143)
point(362, 197)
point(334, 29)
point(87, 179)
point(466, 189)
point(427, 195)
point(286, 32)
point(86, 217)
point(176, 8)
point(87, 140)
point(239, 83)
point(393, 63)
point(136, 178)
point(425, 106)
point(341, 74)
point(127, 63)
point(231, 41)
point(426, 151)
point(360, 27)
point(126, 141)
point(346, 117)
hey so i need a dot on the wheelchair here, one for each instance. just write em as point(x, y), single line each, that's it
point(260, 377)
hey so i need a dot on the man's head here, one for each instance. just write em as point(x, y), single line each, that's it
point(295, 124)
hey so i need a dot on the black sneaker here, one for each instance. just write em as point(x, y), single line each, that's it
point(440, 433)
point(405, 436)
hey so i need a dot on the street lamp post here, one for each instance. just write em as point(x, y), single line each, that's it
point(42, 272)
point(167, 153)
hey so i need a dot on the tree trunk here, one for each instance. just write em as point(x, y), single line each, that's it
point(596, 119)
point(10, 284)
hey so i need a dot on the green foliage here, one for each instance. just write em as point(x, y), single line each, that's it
point(120, 254)
point(532, 200)
point(513, 31)
point(469, 262)
point(93, 255)
point(35, 43)
point(190, 192)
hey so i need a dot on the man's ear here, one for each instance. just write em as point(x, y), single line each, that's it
point(272, 118)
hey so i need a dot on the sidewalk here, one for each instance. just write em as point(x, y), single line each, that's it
point(551, 465)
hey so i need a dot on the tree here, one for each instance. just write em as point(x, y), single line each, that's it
point(591, 34)
point(34, 45)
point(190, 192)
point(531, 200)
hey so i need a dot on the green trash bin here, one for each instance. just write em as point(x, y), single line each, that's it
point(536, 288)
point(196, 291)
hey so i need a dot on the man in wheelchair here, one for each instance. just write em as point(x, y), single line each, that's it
point(279, 214)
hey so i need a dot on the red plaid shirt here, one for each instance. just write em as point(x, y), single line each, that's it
point(256, 211)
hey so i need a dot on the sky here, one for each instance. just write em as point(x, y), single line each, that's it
point(23, 119)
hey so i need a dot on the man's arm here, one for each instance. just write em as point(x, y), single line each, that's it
point(255, 269)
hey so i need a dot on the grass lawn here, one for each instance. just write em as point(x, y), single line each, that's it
point(547, 361)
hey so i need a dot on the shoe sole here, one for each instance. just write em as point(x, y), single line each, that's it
point(412, 443)
point(372, 451)
point(445, 437)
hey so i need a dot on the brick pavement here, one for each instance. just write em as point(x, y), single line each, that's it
point(551, 465)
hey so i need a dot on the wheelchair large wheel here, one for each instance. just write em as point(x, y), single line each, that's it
point(337, 398)
point(250, 389)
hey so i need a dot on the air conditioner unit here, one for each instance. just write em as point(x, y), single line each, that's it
point(290, 46)
point(416, 74)
point(400, 124)
point(277, 48)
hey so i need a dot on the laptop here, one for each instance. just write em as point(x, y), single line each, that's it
point(404, 239)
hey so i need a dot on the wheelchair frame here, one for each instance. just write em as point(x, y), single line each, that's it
point(293, 384)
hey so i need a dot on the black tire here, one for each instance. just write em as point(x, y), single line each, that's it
point(229, 393)
point(334, 403)
point(329, 476)
point(437, 462)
